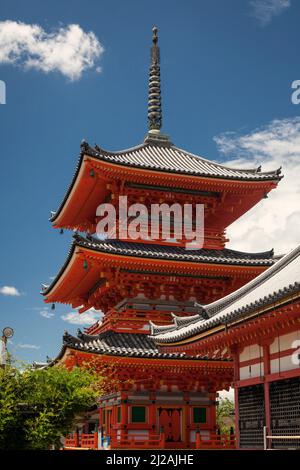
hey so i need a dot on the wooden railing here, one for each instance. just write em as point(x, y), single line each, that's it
point(215, 441)
point(84, 441)
point(142, 441)
point(89, 441)
point(138, 441)
point(72, 440)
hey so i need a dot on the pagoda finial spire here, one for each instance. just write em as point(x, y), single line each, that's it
point(154, 101)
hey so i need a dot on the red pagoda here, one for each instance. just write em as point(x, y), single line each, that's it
point(137, 282)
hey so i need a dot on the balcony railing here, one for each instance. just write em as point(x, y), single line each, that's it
point(82, 441)
point(138, 441)
point(215, 441)
point(142, 441)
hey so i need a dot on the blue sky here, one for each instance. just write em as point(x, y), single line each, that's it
point(227, 69)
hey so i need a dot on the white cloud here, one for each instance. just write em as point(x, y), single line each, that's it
point(265, 10)
point(46, 313)
point(9, 290)
point(275, 221)
point(27, 346)
point(87, 318)
point(68, 50)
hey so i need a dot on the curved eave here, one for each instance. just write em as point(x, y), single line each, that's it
point(79, 251)
point(107, 158)
point(235, 319)
point(168, 359)
point(241, 174)
point(275, 286)
point(69, 190)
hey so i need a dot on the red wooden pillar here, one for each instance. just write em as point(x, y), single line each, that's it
point(124, 415)
point(101, 418)
point(198, 439)
point(267, 369)
point(113, 417)
point(152, 414)
point(236, 417)
point(212, 411)
point(187, 419)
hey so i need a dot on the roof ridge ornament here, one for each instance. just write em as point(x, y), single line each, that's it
point(154, 101)
point(201, 311)
point(154, 97)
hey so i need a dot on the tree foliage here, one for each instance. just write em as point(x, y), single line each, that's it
point(37, 407)
point(225, 415)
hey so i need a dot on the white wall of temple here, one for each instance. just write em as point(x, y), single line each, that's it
point(251, 352)
point(284, 356)
point(284, 342)
point(286, 349)
point(251, 371)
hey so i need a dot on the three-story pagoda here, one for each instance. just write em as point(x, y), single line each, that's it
point(136, 282)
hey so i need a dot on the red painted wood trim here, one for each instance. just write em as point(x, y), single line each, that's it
point(287, 374)
point(236, 364)
point(251, 362)
point(237, 416)
point(284, 353)
point(266, 358)
point(269, 378)
point(250, 381)
point(187, 420)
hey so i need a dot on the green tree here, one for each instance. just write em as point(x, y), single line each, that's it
point(37, 407)
point(225, 415)
point(10, 418)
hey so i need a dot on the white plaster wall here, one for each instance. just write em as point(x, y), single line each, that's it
point(251, 352)
point(284, 342)
point(255, 370)
point(282, 364)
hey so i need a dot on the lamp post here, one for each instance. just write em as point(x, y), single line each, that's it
point(7, 333)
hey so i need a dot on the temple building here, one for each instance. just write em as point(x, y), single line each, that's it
point(258, 326)
point(142, 282)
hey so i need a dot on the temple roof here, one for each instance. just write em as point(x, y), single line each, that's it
point(162, 156)
point(119, 344)
point(165, 252)
point(276, 283)
point(176, 253)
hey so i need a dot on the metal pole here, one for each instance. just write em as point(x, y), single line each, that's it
point(265, 438)
point(3, 358)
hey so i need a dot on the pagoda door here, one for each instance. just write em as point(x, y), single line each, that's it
point(170, 422)
point(108, 422)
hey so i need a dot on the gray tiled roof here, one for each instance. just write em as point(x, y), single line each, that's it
point(279, 281)
point(166, 252)
point(163, 156)
point(167, 157)
point(119, 344)
point(176, 253)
